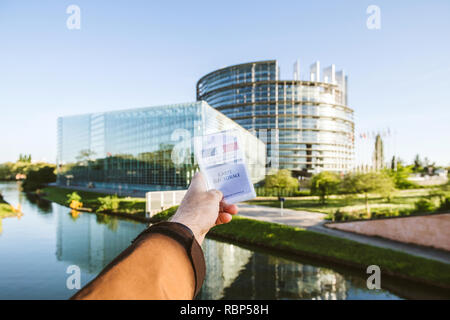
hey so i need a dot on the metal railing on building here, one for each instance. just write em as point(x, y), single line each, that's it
point(157, 201)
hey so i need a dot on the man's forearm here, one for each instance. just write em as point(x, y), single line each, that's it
point(154, 267)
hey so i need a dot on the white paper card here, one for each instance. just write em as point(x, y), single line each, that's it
point(221, 159)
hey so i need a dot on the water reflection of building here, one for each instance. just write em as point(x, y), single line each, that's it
point(91, 242)
point(237, 273)
point(224, 262)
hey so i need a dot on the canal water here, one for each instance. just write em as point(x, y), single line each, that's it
point(37, 248)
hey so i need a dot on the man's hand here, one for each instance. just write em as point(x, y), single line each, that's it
point(201, 210)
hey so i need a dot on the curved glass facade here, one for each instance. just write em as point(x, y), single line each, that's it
point(311, 121)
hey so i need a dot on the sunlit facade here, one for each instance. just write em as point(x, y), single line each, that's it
point(307, 124)
point(143, 149)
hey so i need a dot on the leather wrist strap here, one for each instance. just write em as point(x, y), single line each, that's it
point(183, 235)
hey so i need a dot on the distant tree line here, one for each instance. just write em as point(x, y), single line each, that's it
point(34, 174)
point(382, 182)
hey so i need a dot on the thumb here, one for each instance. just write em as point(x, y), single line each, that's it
point(198, 183)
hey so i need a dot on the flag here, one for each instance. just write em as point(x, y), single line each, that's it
point(230, 147)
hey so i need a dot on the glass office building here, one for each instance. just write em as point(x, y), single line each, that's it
point(307, 124)
point(143, 149)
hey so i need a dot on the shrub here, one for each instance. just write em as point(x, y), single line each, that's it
point(437, 193)
point(386, 212)
point(132, 206)
point(361, 215)
point(74, 196)
point(301, 193)
point(108, 203)
point(280, 192)
point(445, 204)
point(338, 215)
point(424, 205)
point(166, 214)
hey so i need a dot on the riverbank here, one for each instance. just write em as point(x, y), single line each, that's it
point(128, 207)
point(5, 209)
point(301, 242)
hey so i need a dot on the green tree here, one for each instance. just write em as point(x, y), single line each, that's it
point(6, 171)
point(418, 164)
point(393, 163)
point(37, 178)
point(281, 179)
point(400, 177)
point(85, 155)
point(23, 166)
point(324, 184)
point(365, 183)
point(24, 158)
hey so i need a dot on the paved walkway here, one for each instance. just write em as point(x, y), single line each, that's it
point(314, 222)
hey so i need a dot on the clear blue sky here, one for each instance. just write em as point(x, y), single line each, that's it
point(141, 53)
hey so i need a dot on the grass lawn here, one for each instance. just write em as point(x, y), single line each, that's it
point(127, 205)
point(402, 200)
point(328, 248)
point(6, 210)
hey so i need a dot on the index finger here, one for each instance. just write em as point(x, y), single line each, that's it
point(230, 208)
